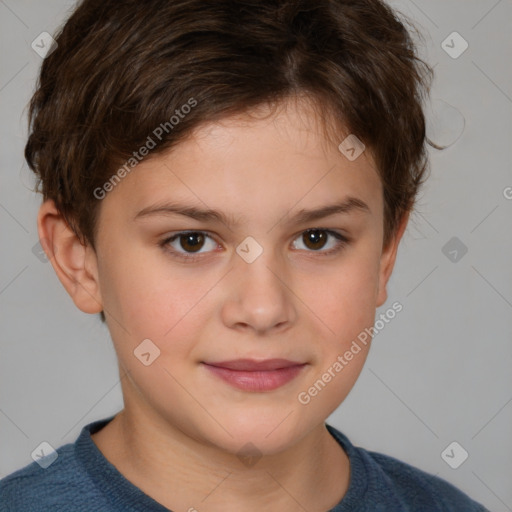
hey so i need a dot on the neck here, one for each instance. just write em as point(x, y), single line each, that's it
point(183, 473)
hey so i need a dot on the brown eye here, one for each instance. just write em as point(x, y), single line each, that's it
point(315, 239)
point(325, 242)
point(192, 246)
point(191, 242)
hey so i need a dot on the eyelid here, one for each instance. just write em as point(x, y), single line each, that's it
point(184, 255)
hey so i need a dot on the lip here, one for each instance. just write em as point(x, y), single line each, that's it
point(253, 365)
point(252, 375)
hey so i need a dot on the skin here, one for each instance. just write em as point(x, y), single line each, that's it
point(179, 433)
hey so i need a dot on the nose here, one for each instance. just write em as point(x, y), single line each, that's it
point(258, 297)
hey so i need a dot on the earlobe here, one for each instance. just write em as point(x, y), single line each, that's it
point(388, 259)
point(74, 263)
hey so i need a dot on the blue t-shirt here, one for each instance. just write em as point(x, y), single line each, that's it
point(81, 479)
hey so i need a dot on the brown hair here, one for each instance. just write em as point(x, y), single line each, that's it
point(124, 68)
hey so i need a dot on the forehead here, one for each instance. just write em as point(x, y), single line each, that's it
point(251, 163)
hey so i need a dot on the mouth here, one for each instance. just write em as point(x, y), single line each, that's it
point(252, 375)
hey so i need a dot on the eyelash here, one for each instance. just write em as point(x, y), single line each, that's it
point(191, 257)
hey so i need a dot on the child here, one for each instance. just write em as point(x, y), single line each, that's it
point(227, 184)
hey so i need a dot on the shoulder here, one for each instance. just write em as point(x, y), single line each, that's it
point(36, 488)
point(380, 482)
point(421, 489)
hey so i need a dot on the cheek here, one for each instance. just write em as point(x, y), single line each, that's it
point(346, 301)
point(144, 293)
point(155, 300)
point(346, 304)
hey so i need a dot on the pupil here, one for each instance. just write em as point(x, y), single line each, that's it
point(193, 240)
point(315, 237)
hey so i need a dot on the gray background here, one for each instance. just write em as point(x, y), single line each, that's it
point(439, 372)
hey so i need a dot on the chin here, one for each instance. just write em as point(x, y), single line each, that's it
point(267, 435)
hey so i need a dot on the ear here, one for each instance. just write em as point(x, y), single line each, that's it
point(387, 261)
point(75, 264)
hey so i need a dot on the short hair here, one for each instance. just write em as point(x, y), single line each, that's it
point(125, 71)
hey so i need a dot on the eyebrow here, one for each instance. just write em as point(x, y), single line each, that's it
point(347, 205)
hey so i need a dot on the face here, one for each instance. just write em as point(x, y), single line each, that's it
point(259, 280)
